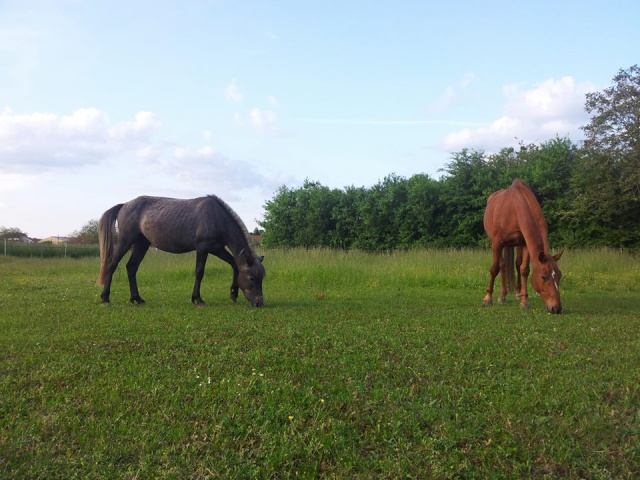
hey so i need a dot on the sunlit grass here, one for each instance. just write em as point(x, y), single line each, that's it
point(359, 366)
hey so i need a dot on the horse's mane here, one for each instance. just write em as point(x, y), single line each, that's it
point(240, 223)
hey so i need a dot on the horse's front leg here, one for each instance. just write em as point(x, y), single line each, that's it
point(523, 276)
point(225, 256)
point(493, 271)
point(201, 261)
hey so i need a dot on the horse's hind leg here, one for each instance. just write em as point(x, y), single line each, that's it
point(120, 251)
point(493, 271)
point(138, 252)
point(503, 280)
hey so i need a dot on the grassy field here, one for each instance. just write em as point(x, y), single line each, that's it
point(359, 366)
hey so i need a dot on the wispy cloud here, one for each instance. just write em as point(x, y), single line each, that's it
point(233, 93)
point(451, 95)
point(364, 122)
point(262, 119)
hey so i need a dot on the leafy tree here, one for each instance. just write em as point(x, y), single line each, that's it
point(347, 213)
point(279, 227)
point(87, 235)
point(468, 183)
point(11, 233)
point(615, 125)
point(313, 215)
point(548, 169)
point(381, 210)
point(300, 217)
point(421, 217)
point(606, 206)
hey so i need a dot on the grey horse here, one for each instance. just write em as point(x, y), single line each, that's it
point(206, 225)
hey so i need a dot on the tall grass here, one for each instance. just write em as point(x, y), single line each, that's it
point(360, 366)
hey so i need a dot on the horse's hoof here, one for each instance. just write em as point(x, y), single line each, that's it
point(487, 303)
point(524, 306)
point(502, 299)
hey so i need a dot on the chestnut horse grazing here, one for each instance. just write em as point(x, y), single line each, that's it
point(513, 218)
point(206, 225)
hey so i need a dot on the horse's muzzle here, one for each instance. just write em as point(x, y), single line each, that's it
point(258, 302)
point(554, 309)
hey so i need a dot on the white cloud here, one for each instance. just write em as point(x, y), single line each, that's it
point(50, 141)
point(233, 93)
point(262, 120)
point(205, 169)
point(10, 182)
point(553, 107)
point(32, 146)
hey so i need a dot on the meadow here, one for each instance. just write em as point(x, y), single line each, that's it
point(359, 366)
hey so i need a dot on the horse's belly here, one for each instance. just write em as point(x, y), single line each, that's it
point(514, 240)
point(171, 242)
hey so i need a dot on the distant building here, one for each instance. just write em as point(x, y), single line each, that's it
point(257, 239)
point(20, 238)
point(55, 240)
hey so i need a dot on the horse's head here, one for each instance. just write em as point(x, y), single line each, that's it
point(546, 281)
point(250, 277)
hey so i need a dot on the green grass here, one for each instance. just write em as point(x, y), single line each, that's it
point(359, 366)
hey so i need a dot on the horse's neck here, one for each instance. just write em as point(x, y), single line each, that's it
point(536, 240)
point(238, 244)
point(535, 229)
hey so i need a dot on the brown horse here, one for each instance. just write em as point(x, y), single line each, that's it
point(206, 225)
point(513, 218)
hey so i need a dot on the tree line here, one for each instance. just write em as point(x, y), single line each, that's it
point(589, 192)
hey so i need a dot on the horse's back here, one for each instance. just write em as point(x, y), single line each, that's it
point(507, 209)
point(170, 224)
point(495, 213)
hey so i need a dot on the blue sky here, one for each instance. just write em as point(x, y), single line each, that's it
point(102, 101)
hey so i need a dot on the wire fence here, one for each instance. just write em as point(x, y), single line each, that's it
point(49, 250)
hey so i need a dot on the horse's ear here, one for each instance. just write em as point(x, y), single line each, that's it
point(558, 255)
point(542, 257)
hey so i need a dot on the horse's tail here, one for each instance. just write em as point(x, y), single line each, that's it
point(509, 273)
point(105, 239)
